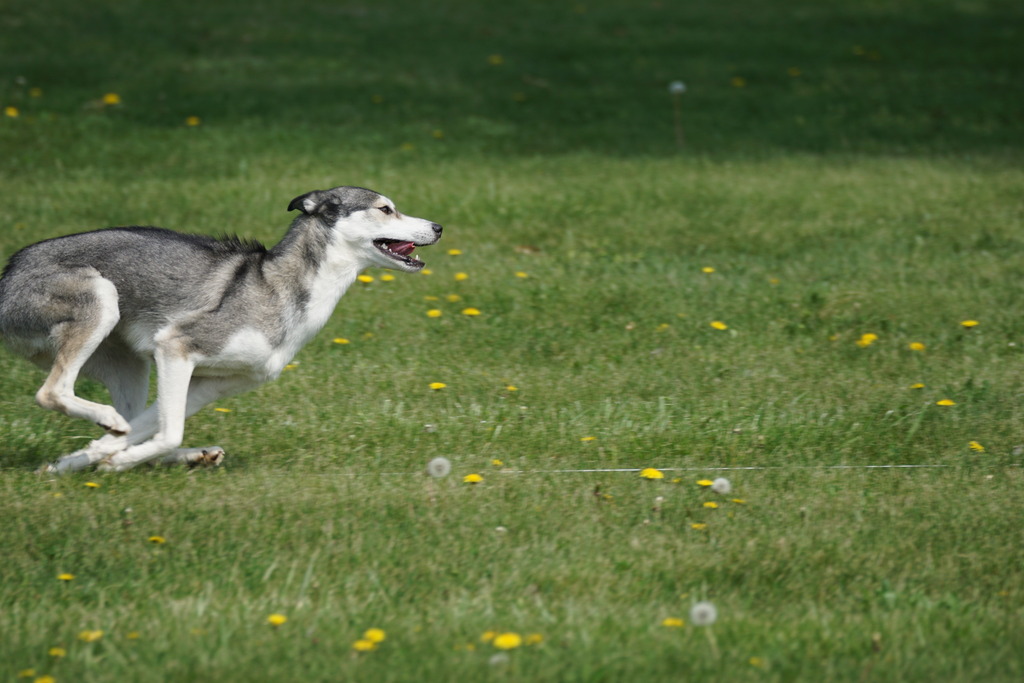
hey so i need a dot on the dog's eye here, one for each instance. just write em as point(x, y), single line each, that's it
point(386, 210)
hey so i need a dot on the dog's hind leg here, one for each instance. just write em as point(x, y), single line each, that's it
point(75, 340)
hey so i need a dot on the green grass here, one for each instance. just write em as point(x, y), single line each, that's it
point(875, 191)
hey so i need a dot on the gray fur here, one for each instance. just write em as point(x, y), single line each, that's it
point(106, 303)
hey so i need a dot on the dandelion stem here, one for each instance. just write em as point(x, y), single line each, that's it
point(712, 642)
point(677, 119)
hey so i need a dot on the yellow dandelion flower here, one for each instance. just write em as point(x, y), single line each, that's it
point(111, 98)
point(719, 325)
point(945, 402)
point(222, 410)
point(455, 252)
point(157, 539)
point(426, 271)
point(707, 269)
point(430, 297)
point(375, 635)
point(739, 501)
point(365, 278)
point(511, 387)
point(57, 652)
point(65, 577)
point(652, 473)
point(534, 639)
point(291, 366)
point(45, 679)
point(472, 479)
point(867, 340)
point(495, 60)
point(90, 636)
point(521, 274)
point(916, 346)
point(387, 277)
point(757, 662)
point(588, 438)
point(11, 112)
point(437, 386)
point(434, 313)
point(26, 673)
point(975, 446)
point(662, 327)
point(276, 619)
point(459, 277)
point(497, 463)
point(969, 323)
point(341, 340)
point(364, 645)
point(193, 121)
point(916, 385)
point(699, 526)
point(471, 311)
point(35, 92)
point(133, 635)
point(488, 636)
point(507, 641)
point(91, 485)
point(704, 482)
point(453, 298)
point(711, 504)
point(673, 622)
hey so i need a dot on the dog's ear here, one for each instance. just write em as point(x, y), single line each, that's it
point(310, 203)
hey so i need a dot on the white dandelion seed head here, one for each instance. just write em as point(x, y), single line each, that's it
point(721, 485)
point(501, 529)
point(703, 613)
point(439, 467)
point(677, 87)
point(499, 659)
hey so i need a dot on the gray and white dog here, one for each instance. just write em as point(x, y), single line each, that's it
point(216, 316)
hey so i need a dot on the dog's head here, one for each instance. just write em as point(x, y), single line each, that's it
point(370, 225)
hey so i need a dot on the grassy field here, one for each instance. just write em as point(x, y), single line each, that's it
point(781, 300)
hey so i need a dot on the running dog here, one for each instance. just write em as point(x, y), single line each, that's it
point(216, 316)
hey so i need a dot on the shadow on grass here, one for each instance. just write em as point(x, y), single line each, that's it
point(531, 77)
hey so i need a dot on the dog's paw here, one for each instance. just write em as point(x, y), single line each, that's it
point(114, 423)
point(106, 465)
point(208, 457)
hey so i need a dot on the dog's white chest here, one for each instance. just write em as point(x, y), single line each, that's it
point(247, 349)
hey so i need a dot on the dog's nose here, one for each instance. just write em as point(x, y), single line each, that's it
point(436, 228)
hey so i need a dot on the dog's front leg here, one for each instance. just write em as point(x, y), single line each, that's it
point(202, 392)
point(173, 373)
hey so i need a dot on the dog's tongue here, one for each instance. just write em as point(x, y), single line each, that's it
point(402, 248)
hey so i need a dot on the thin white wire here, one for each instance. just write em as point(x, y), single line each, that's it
point(627, 470)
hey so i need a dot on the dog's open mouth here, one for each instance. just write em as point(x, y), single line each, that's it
point(400, 251)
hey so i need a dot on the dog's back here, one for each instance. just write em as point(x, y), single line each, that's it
point(159, 275)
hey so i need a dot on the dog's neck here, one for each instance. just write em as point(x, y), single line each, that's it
point(315, 268)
